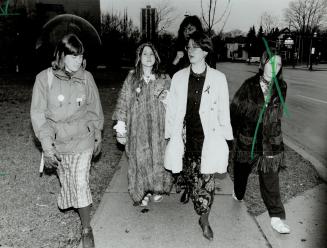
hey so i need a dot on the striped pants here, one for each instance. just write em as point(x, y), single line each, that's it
point(73, 173)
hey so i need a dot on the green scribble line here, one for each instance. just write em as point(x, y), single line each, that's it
point(4, 12)
point(9, 14)
point(3, 174)
point(274, 78)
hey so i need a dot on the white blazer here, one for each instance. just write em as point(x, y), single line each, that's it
point(215, 120)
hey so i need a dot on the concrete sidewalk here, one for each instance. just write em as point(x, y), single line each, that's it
point(170, 224)
point(307, 216)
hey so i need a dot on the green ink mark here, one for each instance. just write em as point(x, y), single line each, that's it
point(274, 79)
point(3, 174)
point(4, 11)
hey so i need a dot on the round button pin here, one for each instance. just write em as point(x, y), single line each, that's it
point(61, 98)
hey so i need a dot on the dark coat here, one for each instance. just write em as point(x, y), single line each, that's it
point(245, 110)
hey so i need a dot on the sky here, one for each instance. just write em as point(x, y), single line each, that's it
point(243, 15)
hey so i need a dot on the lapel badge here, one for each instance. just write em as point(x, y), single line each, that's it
point(207, 89)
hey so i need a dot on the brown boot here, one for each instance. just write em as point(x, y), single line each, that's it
point(87, 238)
point(185, 196)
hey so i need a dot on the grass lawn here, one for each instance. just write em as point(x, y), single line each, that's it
point(298, 176)
point(29, 216)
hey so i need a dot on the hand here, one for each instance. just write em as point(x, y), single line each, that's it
point(121, 138)
point(179, 55)
point(51, 158)
point(120, 128)
point(163, 97)
point(97, 147)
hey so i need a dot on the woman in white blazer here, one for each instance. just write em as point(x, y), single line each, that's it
point(197, 126)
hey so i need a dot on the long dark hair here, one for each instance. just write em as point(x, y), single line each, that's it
point(138, 73)
point(70, 44)
point(194, 21)
point(264, 60)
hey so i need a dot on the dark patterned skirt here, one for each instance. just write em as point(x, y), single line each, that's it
point(201, 186)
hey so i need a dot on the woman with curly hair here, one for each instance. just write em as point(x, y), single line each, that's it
point(189, 25)
point(140, 116)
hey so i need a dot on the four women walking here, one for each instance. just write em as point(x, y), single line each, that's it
point(167, 126)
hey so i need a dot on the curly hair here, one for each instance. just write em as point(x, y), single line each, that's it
point(194, 21)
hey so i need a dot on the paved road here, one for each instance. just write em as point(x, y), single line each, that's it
point(306, 100)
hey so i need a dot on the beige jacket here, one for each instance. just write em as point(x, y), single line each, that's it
point(67, 114)
point(215, 120)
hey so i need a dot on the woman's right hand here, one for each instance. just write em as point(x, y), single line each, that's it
point(179, 55)
point(121, 138)
point(51, 158)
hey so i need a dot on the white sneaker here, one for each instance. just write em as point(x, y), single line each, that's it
point(157, 198)
point(145, 200)
point(279, 225)
point(235, 198)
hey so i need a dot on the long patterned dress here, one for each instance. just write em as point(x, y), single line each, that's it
point(139, 106)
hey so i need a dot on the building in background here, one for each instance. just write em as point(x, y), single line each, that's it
point(88, 9)
point(236, 48)
point(21, 27)
point(148, 22)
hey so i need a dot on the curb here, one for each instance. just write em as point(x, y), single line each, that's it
point(320, 168)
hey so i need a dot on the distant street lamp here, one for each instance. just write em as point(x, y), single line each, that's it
point(312, 50)
point(289, 42)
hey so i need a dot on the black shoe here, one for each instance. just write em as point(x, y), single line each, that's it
point(178, 188)
point(185, 196)
point(87, 238)
point(207, 231)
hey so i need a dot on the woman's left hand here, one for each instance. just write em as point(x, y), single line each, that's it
point(163, 97)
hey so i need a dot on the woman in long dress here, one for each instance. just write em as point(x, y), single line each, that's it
point(140, 113)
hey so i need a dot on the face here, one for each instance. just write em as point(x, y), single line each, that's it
point(73, 62)
point(188, 30)
point(195, 53)
point(276, 63)
point(147, 57)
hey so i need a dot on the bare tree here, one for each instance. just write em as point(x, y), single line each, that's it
point(210, 18)
point(269, 22)
point(305, 16)
point(165, 15)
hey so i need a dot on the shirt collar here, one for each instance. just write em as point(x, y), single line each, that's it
point(63, 75)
